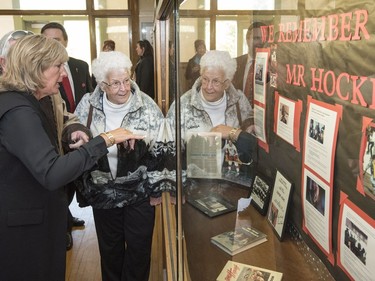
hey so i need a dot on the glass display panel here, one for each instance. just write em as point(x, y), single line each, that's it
point(191, 29)
point(227, 38)
point(312, 64)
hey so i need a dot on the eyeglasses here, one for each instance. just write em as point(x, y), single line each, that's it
point(117, 84)
point(19, 34)
point(214, 82)
point(15, 35)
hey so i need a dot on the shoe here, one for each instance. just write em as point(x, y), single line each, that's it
point(69, 241)
point(78, 222)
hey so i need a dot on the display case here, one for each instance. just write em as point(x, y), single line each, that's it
point(313, 116)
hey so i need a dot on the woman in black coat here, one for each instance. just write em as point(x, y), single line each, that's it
point(32, 172)
point(144, 70)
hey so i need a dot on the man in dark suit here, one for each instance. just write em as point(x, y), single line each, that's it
point(245, 63)
point(77, 84)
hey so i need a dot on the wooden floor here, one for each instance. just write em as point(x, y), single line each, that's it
point(83, 260)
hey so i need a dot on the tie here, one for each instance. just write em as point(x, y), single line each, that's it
point(69, 94)
point(249, 91)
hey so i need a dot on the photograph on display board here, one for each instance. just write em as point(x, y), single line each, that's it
point(320, 138)
point(287, 119)
point(284, 113)
point(260, 75)
point(355, 240)
point(366, 178)
point(356, 237)
point(316, 131)
point(315, 195)
point(316, 201)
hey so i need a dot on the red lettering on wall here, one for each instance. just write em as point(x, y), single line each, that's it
point(342, 27)
point(345, 27)
point(264, 31)
point(326, 82)
point(357, 92)
point(329, 76)
point(372, 106)
point(333, 31)
point(271, 31)
point(295, 76)
point(281, 33)
point(361, 20)
point(338, 85)
point(316, 79)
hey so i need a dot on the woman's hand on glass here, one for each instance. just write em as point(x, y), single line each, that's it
point(223, 129)
point(227, 132)
point(121, 135)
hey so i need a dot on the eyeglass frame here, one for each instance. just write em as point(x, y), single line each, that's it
point(24, 33)
point(5, 48)
point(125, 82)
point(214, 82)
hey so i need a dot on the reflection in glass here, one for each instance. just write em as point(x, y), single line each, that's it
point(116, 29)
point(195, 5)
point(226, 39)
point(192, 29)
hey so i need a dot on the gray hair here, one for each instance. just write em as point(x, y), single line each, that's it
point(108, 61)
point(221, 60)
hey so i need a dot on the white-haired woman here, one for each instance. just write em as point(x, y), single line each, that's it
point(213, 104)
point(120, 187)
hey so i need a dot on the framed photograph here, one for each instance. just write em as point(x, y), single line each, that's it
point(279, 204)
point(212, 205)
point(261, 193)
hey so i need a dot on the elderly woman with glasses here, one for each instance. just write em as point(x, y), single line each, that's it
point(120, 188)
point(213, 104)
